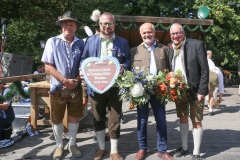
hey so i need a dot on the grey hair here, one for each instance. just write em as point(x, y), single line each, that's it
point(153, 27)
point(178, 24)
point(209, 52)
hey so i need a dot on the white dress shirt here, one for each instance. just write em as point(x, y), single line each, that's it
point(215, 69)
point(153, 67)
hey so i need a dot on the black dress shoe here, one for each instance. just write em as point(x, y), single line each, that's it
point(180, 152)
point(197, 157)
point(165, 156)
point(210, 113)
point(140, 154)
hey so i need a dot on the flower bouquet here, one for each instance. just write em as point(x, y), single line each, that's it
point(170, 86)
point(136, 87)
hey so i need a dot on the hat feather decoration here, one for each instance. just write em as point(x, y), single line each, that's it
point(95, 15)
point(88, 31)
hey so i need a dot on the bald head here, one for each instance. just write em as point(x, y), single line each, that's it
point(176, 25)
point(147, 32)
point(177, 33)
point(148, 25)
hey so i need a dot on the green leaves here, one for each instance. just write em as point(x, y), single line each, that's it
point(15, 88)
point(32, 21)
point(223, 39)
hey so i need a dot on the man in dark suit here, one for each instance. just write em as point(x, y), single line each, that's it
point(153, 57)
point(190, 57)
point(107, 44)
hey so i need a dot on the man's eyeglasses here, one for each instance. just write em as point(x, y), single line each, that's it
point(105, 24)
point(176, 33)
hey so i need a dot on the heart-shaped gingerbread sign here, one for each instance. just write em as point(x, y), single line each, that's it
point(100, 73)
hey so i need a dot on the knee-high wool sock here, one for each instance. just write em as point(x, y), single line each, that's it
point(101, 139)
point(58, 133)
point(114, 145)
point(197, 139)
point(184, 129)
point(72, 131)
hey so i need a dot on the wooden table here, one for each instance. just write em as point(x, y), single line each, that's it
point(40, 98)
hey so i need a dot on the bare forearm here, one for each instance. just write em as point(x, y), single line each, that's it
point(67, 83)
point(54, 72)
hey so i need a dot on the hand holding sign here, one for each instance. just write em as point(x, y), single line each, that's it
point(100, 73)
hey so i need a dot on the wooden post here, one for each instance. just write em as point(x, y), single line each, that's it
point(34, 109)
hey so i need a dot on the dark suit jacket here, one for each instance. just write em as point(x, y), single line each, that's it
point(196, 66)
point(120, 51)
point(140, 57)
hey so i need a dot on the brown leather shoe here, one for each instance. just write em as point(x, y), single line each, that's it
point(165, 156)
point(115, 156)
point(58, 153)
point(140, 154)
point(99, 154)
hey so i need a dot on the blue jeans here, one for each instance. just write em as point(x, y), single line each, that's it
point(160, 118)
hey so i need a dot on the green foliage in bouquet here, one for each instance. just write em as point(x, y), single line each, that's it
point(136, 86)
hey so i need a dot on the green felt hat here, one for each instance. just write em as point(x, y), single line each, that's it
point(68, 16)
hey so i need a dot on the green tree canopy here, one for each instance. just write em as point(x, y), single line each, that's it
point(224, 38)
point(32, 21)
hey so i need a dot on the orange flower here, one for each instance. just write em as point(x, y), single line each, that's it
point(173, 97)
point(168, 77)
point(173, 92)
point(162, 87)
point(131, 106)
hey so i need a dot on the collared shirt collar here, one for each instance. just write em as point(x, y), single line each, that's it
point(173, 45)
point(63, 38)
point(150, 47)
point(110, 39)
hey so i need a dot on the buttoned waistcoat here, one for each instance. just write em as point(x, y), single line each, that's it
point(140, 57)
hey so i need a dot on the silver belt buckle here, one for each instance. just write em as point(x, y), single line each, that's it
point(73, 95)
point(64, 92)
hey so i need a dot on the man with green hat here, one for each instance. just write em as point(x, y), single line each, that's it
point(62, 56)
